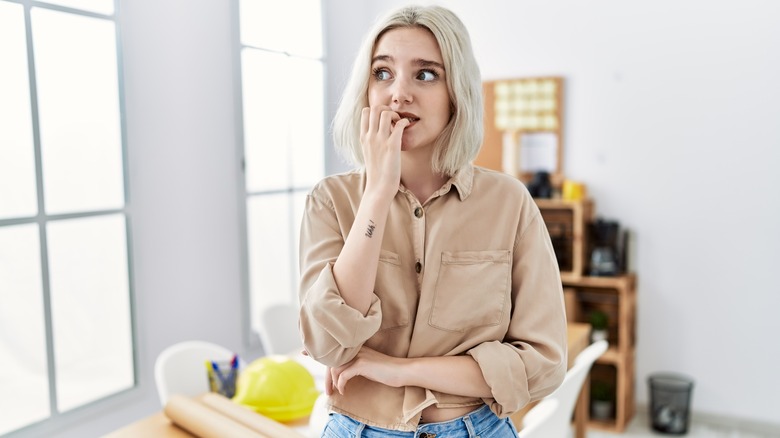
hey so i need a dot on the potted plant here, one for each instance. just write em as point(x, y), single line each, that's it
point(599, 322)
point(602, 400)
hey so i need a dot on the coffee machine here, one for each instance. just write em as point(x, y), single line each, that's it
point(608, 248)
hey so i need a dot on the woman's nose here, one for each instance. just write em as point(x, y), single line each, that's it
point(401, 91)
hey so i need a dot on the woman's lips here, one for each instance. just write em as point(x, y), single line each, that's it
point(412, 118)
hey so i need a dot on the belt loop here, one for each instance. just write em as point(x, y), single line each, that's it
point(359, 429)
point(469, 426)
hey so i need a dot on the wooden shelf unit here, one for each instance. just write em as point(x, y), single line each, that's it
point(567, 223)
point(617, 297)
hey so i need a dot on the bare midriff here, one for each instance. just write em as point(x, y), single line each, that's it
point(434, 414)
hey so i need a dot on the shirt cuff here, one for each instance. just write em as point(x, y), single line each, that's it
point(337, 329)
point(504, 372)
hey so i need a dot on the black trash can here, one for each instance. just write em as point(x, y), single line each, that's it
point(670, 399)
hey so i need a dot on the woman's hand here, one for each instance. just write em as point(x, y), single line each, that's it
point(381, 130)
point(368, 363)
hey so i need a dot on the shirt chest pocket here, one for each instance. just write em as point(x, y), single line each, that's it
point(472, 289)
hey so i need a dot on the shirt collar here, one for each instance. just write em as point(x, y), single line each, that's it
point(463, 180)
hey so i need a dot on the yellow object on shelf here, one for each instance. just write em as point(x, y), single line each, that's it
point(573, 191)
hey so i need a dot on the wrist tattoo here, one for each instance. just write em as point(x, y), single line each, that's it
point(370, 229)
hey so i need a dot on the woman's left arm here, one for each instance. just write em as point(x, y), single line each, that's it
point(530, 362)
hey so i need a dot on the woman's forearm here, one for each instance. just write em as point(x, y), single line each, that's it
point(457, 375)
point(355, 269)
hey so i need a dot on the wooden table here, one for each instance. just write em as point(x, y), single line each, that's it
point(159, 426)
point(153, 426)
point(578, 338)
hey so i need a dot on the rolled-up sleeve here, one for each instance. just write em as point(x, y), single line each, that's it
point(332, 331)
point(530, 362)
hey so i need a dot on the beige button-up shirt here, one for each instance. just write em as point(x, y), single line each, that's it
point(470, 272)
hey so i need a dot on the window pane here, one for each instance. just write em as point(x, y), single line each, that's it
point(24, 397)
point(306, 119)
point(17, 156)
point(292, 26)
point(98, 6)
point(283, 120)
point(78, 103)
point(265, 121)
point(90, 308)
point(272, 267)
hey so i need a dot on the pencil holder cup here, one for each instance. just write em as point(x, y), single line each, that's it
point(222, 377)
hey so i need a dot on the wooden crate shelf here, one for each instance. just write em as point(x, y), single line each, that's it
point(567, 223)
point(611, 356)
point(616, 296)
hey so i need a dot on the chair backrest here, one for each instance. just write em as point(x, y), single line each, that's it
point(180, 368)
point(558, 424)
point(279, 329)
point(535, 419)
point(319, 416)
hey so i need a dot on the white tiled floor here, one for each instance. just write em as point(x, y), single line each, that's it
point(639, 428)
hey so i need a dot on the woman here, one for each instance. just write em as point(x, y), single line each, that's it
point(429, 286)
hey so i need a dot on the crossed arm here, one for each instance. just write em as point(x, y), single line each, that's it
point(457, 375)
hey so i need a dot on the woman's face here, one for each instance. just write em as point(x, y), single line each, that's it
point(407, 74)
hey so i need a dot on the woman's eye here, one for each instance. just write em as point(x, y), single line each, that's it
point(381, 74)
point(428, 75)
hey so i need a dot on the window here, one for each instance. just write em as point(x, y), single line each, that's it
point(65, 313)
point(282, 80)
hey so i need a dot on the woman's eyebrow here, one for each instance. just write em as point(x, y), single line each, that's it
point(386, 58)
point(427, 63)
point(417, 61)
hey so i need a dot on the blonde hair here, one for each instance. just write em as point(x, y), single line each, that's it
point(459, 142)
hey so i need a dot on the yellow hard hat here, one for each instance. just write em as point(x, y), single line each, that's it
point(277, 387)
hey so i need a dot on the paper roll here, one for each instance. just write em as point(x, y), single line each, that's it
point(204, 422)
point(248, 418)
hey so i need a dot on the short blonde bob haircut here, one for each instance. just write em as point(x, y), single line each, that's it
point(459, 142)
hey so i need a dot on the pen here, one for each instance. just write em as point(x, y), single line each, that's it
point(210, 374)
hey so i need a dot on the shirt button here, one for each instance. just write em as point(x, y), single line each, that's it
point(418, 212)
point(418, 267)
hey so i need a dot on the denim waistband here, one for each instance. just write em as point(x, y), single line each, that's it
point(480, 422)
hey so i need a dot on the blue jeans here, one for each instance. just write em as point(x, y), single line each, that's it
point(482, 423)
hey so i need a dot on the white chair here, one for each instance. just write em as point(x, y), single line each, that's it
point(180, 369)
point(557, 422)
point(279, 329)
point(535, 419)
point(279, 334)
point(319, 417)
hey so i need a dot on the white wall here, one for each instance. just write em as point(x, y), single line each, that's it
point(673, 121)
point(181, 141)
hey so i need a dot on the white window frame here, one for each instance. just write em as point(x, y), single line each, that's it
point(57, 419)
point(252, 340)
